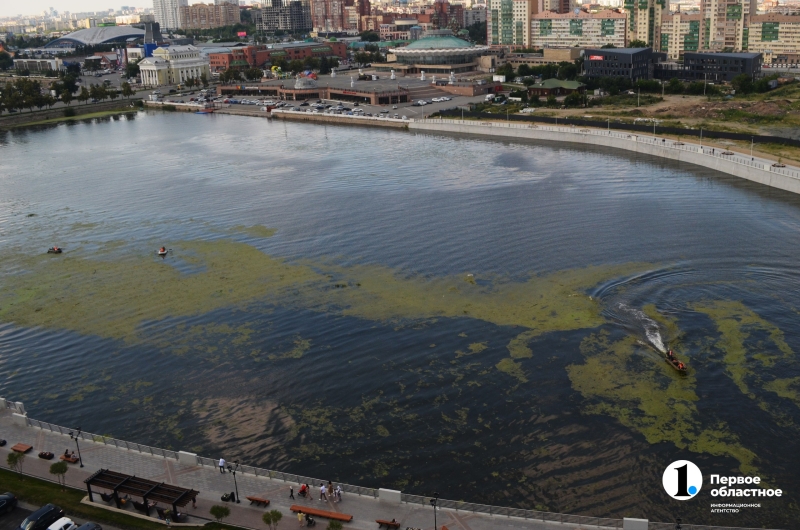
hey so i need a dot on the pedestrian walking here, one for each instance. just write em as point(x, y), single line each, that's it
point(300, 518)
point(222, 465)
point(291, 492)
point(330, 491)
point(322, 492)
point(194, 501)
point(339, 493)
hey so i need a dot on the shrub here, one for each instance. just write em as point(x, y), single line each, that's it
point(334, 525)
point(220, 512)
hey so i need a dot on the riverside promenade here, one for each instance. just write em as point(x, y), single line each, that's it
point(204, 476)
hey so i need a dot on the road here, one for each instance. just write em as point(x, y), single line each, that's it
point(11, 521)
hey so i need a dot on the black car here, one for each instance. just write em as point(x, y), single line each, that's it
point(355, 104)
point(89, 526)
point(42, 518)
point(304, 104)
point(7, 502)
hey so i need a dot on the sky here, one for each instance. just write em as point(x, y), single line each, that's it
point(35, 7)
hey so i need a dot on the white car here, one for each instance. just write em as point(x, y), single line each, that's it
point(65, 523)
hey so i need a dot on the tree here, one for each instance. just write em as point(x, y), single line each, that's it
point(204, 80)
point(296, 66)
point(477, 32)
point(334, 525)
point(524, 70)
point(132, 69)
point(506, 70)
point(369, 36)
point(636, 43)
point(675, 86)
point(253, 74)
point(59, 469)
point(230, 75)
point(15, 461)
point(324, 65)
point(219, 512)
point(6, 61)
point(113, 94)
point(743, 84)
point(272, 518)
point(567, 71)
point(551, 100)
point(609, 45)
point(574, 100)
point(127, 90)
point(83, 95)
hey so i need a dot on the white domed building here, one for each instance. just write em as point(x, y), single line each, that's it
point(438, 52)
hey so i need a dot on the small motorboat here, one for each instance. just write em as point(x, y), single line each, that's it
point(54, 250)
point(674, 362)
point(47, 455)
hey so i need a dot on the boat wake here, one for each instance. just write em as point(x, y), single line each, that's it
point(638, 319)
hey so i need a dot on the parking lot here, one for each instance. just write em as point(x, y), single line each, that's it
point(11, 521)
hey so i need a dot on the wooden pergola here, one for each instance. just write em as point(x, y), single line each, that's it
point(148, 490)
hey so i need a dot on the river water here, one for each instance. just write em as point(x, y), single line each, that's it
point(422, 312)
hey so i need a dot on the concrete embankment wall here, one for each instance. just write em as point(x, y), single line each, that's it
point(20, 118)
point(369, 121)
point(736, 164)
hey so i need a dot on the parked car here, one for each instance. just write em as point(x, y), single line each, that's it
point(304, 104)
point(7, 502)
point(42, 518)
point(394, 106)
point(65, 523)
point(89, 526)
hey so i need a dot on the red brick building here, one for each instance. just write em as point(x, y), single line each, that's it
point(257, 56)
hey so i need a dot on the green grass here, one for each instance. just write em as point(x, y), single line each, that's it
point(101, 114)
point(40, 492)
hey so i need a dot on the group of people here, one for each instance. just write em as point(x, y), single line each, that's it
point(673, 359)
point(67, 454)
point(325, 492)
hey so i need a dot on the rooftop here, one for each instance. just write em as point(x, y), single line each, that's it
point(95, 36)
point(438, 43)
point(557, 83)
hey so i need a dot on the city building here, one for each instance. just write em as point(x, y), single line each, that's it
point(645, 20)
point(172, 65)
point(726, 25)
point(260, 56)
point(776, 37)
point(207, 16)
point(474, 16)
point(96, 37)
point(439, 52)
point(508, 22)
point(632, 63)
point(328, 15)
point(293, 16)
point(720, 66)
point(167, 12)
point(547, 56)
point(582, 29)
point(680, 33)
point(39, 65)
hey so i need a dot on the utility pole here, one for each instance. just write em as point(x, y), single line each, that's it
point(752, 141)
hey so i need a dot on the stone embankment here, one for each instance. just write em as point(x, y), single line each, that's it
point(740, 165)
point(21, 118)
point(369, 121)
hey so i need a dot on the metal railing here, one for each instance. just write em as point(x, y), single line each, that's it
point(502, 511)
point(12, 406)
point(736, 158)
point(98, 438)
point(290, 477)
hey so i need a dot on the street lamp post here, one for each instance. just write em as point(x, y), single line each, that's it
point(75, 437)
point(236, 486)
point(752, 141)
point(435, 503)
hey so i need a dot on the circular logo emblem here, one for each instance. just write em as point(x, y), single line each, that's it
point(682, 480)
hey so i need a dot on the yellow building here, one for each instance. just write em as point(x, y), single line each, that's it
point(680, 33)
point(582, 29)
point(644, 20)
point(775, 36)
point(173, 65)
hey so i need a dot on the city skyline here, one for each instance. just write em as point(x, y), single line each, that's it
point(36, 7)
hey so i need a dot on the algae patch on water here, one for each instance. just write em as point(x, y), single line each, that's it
point(110, 293)
point(254, 231)
point(735, 323)
point(646, 395)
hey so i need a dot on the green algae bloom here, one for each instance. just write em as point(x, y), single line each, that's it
point(643, 393)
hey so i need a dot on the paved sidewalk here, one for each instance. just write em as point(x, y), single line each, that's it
point(212, 484)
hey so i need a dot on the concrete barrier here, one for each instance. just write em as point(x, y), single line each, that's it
point(189, 459)
point(634, 524)
point(19, 419)
point(392, 496)
point(738, 165)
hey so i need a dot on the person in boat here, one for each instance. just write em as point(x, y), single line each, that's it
point(162, 250)
point(670, 354)
point(55, 248)
point(681, 366)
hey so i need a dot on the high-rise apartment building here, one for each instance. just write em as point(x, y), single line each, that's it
point(508, 22)
point(589, 30)
point(775, 36)
point(293, 16)
point(680, 33)
point(205, 16)
point(644, 20)
point(167, 12)
point(725, 24)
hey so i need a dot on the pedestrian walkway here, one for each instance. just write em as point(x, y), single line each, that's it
point(212, 484)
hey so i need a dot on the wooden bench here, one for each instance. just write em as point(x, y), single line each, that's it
point(70, 459)
point(258, 501)
point(388, 524)
point(21, 448)
point(322, 513)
